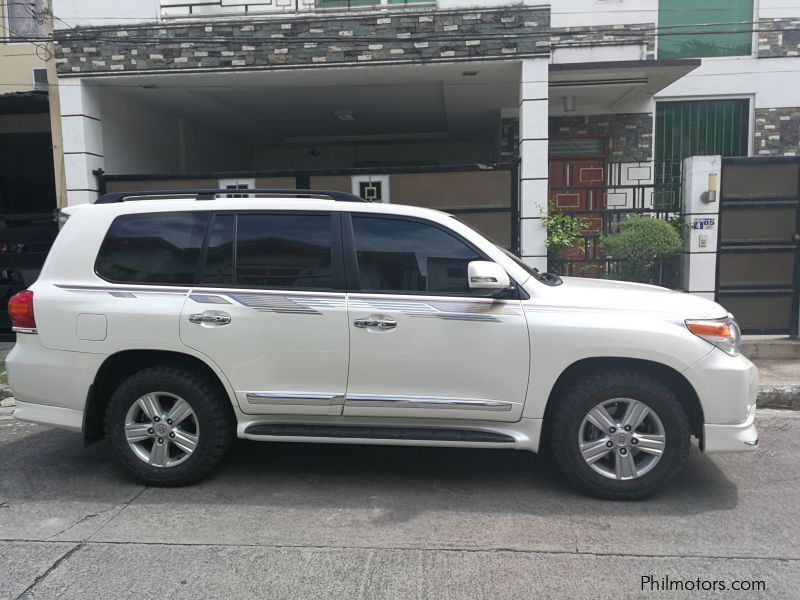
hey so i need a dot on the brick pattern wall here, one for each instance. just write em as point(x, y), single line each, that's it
point(373, 38)
point(642, 33)
point(776, 41)
point(777, 132)
point(629, 135)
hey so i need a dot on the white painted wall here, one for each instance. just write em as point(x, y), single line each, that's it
point(775, 82)
point(140, 139)
point(772, 9)
point(87, 13)
point(136, 138)
point(580, 13)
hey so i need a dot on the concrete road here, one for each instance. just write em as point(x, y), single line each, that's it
point(294, 521)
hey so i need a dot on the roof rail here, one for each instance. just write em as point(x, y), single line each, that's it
point(210, 194)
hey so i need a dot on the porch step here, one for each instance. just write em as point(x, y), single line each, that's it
point(378, 433)
point(757, 347)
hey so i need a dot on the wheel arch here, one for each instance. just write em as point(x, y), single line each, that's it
point(121, 365)
point(665, 374)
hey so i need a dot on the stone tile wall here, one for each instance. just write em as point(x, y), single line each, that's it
point(777, 132)
point(304, 41)
point(630, 135)
point(778, 38)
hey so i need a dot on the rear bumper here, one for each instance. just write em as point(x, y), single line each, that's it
point(731, 438)
point(65, 418)
point(50, 378)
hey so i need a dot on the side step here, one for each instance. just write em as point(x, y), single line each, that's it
point(379, 433)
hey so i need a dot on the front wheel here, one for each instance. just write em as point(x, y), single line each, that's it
point(168, 426)
point(620, 435)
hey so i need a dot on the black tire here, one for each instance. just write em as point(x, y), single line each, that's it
point(212, 412)
point(574, 404)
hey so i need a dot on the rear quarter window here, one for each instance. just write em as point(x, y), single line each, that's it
point(159, 248)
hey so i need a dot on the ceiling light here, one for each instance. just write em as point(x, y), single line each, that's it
point(469, 73)
point(344, 115)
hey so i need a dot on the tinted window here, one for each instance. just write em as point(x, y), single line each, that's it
point(409, 256)
point(284, 251)
point(153, 248)
point(218, 268)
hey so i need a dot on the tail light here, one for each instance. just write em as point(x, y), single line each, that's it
point(20, 311)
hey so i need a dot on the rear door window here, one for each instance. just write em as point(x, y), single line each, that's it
point(284, 251)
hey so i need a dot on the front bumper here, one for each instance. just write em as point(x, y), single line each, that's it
point(731, 438)
point(727, 387)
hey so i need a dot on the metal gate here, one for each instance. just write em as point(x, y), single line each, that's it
point(25, 240)
point(758, 269)
point(485, 196)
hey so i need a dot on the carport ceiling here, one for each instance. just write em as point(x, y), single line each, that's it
point(299, 107)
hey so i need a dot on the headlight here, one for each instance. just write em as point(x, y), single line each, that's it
point(723, 333)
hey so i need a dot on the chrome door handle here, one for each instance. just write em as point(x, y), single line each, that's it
point(373, 323)
point(210, 318)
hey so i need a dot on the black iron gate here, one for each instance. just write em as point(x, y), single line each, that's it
point(758, 267)
point(24, 242)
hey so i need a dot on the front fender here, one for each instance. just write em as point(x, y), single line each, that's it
point(562, 337)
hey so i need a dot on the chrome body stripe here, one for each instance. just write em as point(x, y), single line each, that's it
point(209, 299)
point(457, 309)
point(125, 292)
point(313, 303)
point(294, 399)
point(303, 305)
point(423, 402)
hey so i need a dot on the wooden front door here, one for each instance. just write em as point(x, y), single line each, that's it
point(577, 185)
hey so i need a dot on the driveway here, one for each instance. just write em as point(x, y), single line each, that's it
point(299, 521)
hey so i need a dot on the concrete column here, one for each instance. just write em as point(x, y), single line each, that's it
point(702, 225)
point(82, 140)
point(533, 145)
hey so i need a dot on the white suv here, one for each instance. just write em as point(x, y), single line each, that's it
point(172, 325)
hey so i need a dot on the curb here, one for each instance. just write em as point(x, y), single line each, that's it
point(779, 396)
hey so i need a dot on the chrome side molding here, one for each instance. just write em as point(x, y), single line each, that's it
point(294, 399)
point(423, 402)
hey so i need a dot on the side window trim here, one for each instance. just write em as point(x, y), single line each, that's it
point(337, 254)
point(351, 257)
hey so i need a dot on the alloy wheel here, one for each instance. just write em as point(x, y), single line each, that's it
point(622, 439)
point(161, 429)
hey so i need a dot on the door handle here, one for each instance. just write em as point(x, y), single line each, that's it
point(210, 318)
point(381, 324)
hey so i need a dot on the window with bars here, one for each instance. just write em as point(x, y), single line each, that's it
point(702, 127)
point(692, 29)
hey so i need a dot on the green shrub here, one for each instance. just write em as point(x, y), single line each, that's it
point(641, 242)
point(563, 231)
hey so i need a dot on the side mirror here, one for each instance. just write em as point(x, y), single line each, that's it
point(489, 276)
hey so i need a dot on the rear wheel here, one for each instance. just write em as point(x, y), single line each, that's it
point(168, 426)
point(619, 435)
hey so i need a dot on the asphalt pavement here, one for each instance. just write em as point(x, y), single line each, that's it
point(307, 521)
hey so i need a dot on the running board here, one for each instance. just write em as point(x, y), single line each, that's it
point(379, 433)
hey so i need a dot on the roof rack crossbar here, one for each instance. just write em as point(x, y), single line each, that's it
point(210, 194)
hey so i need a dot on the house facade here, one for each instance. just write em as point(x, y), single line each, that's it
point(496, 111)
